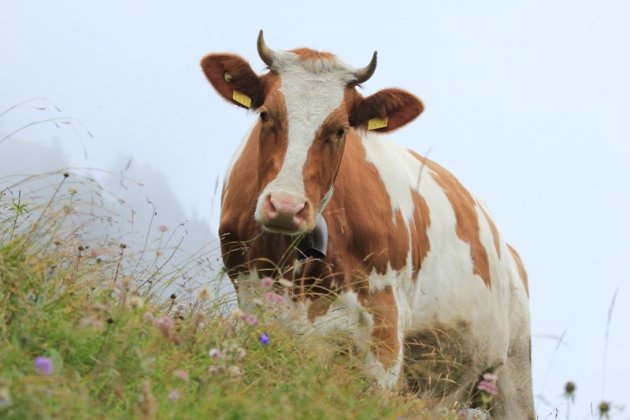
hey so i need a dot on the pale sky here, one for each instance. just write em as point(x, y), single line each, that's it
point(528, 104)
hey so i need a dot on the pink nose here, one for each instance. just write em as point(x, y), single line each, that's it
point(284, 212)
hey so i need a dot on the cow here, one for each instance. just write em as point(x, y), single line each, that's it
point(375, 239)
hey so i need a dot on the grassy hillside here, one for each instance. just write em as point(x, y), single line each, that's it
point(85, 333)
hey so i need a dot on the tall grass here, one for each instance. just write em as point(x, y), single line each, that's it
point(115, 346)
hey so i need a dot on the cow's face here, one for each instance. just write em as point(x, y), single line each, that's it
point(307, 104)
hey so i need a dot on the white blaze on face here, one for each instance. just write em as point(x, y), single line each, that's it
point(312, 91)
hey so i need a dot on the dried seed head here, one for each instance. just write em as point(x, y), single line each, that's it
point(205, 294)
point(135, 302)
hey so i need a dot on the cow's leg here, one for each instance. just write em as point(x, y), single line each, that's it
point(515, 399)
point(385, 354)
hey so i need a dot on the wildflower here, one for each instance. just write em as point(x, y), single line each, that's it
point(44, 365)
point(251, 319)
point(135, 302)
point(214, 370)
point(174, 395)
point(274, 298)
point(214, 353)
point(181, 374)
point(237, 313)
point(166, 325)
point(266, 282)
point(488, 384)
point(235, 371)
point(205, 294)
point(5, 398)
point(163, 228)
point(489, 376)
point(264, 339)
point(149, 317)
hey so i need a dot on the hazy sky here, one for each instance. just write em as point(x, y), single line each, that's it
point(528, 104)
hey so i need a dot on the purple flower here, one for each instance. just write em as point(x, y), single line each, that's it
point(174, 395)
point(489, 384)
point(264, 339)
point(266, 282)
point(251, 319)
point(490, 387)
point(490, 377)
point(274, 298)
point(44, 366)
point(214, 353)
point(163, 228)
point(181, 374)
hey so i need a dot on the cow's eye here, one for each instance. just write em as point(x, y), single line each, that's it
point(264, 116)
point(341, 132)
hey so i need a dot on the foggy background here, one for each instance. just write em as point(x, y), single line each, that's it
point(528, 104)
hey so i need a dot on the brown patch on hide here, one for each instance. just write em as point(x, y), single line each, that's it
point(493, 229)
point(273, 140)
point(384, 310)
point(324, 157)
point(420, 245)
point(521, 268)
point(307, 54)
point(467, 223)
point(376, 236)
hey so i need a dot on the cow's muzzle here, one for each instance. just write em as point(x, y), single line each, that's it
point(286, 214)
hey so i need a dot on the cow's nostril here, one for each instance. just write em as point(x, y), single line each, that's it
point(301, 213)
point(272, 207)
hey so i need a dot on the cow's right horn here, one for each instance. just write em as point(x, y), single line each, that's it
point(265, 53)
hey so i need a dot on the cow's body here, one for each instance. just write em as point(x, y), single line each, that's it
point(415, 268)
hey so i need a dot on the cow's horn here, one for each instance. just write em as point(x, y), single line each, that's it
point(362, 75)
point(265, 53)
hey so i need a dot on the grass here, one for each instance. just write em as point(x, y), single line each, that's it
point(119, 348)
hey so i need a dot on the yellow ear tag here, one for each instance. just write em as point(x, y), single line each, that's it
point(242, 99)
point(377, 123)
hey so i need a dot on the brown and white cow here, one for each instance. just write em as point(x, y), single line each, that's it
point(412, 264)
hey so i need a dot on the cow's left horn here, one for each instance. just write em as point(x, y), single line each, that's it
point(265, 53)
point(362, 75)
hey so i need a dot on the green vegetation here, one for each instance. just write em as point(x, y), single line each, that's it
point(83, 334)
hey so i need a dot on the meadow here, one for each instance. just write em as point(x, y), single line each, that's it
point(90, 330)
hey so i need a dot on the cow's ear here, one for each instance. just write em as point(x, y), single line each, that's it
point(385, 110)
point(234, 79)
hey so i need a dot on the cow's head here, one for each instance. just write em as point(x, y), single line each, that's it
point(307, 104)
